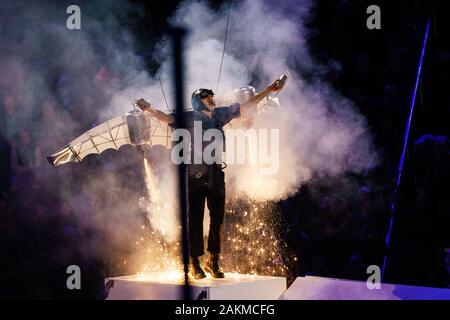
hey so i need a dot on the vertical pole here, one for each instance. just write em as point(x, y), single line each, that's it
point(178, 67)
point(405, 145)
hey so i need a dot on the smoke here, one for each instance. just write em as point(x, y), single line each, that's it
point(321, 132)
point(61, 83)
point(65, 81)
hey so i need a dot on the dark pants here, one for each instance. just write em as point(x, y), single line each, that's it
point(205, 182)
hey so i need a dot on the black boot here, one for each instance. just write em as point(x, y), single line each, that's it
point(196, 270)
point(212, 266)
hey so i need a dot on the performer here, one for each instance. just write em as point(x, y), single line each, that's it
point(207, 181)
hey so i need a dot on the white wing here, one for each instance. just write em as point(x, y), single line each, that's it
point(111, 134)
point(161, 134)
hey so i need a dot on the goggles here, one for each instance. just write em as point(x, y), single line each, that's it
point(203, 93)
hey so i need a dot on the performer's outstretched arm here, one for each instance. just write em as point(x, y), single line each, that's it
point(274, 87)
point(161, 116)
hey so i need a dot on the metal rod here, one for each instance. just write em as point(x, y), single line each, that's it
point(405, 145)
point(178, 67)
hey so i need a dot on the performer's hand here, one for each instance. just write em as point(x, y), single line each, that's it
point(143, 104)
point(276, 86)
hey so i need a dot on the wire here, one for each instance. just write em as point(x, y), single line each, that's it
point(224, 47)
point(162, 89)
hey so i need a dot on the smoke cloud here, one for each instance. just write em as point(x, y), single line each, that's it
point(66, 81)
point(321, 132)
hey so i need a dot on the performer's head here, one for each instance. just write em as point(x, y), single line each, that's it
point(203, 99)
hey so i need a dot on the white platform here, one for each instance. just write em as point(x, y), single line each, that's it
point(161, 286)
point(318, 288)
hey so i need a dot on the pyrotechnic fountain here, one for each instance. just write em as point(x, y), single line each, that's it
point(251, 243)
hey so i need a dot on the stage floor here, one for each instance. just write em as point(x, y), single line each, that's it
point(319, 288)
point(168, 286)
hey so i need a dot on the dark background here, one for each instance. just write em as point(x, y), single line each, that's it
point(334, 237)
